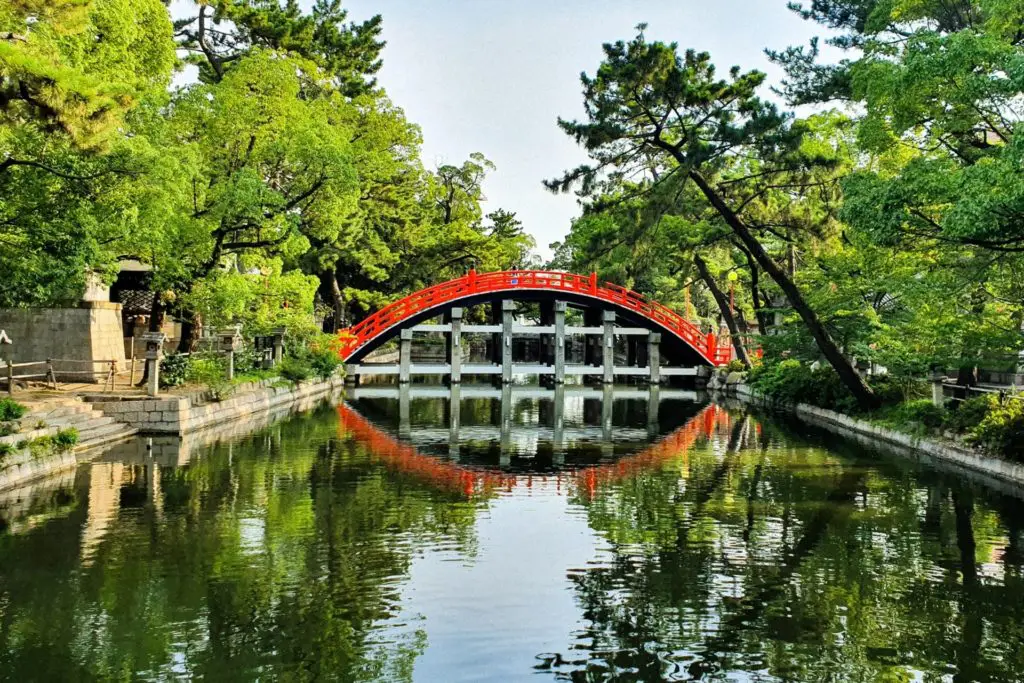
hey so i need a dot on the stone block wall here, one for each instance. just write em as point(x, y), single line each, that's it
point(90, 332)
point(182, 415)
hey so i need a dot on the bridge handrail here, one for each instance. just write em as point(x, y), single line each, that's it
point(474, 283)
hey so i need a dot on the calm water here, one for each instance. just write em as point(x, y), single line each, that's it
point(577, 538)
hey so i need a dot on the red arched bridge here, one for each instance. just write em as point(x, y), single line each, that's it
point(625, 312)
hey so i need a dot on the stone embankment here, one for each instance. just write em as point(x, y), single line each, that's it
point(35, 454)
point(184, 414)
point(923, 448)
point(103, 420)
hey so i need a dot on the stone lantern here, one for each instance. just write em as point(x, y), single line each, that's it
point(154, 342)
point(278, 341)
point(230, 339)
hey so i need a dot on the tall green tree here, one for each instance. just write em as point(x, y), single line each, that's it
point(222, 32)
point(264, 168)
point(648, 102)
point(74, 68)
point(940, 86)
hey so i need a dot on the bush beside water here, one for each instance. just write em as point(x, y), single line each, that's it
point(991, 422)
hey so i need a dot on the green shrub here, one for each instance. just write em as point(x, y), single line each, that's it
point(5, 450)
point(295, 369)
point(324, 363)
point(41, 446)
point(248, 361)
point(174, 370)
point(921, 412)
point(735, 366)
point(65, 439)
point(964, 416)
point(8, 428)
point(211, 373)
point(790, 381)
point(11, 410)
point(1001, 431)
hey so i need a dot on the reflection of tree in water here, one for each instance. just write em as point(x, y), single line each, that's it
point(280, 557)
point(787, 563)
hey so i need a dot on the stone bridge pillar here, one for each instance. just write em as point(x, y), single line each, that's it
point(654, 357)
point(559, 340)
point(453, 345)
point(508, 309)
point(405, 356)
point(608, 347)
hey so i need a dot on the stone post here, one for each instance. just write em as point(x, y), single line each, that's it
point(230, 342)
point(405, 356)
point(154, 353)
point(4, 339)
point(654, 357)
point(454, 346)
point(608, 347)
point(278, 342)
point(560, 308)
point(938, 395)
point(508, 309)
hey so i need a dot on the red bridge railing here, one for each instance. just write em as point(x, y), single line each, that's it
point(472, 284)
point(357, 336)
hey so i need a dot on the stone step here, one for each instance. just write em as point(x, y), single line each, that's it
point(58, 412)
point(82, 421)
point(116, 433)
point(98, 429)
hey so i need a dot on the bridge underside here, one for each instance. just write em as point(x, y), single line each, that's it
point(654, 352)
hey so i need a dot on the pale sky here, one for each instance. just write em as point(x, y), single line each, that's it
point(492, 76)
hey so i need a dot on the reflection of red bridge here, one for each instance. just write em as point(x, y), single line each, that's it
point(449, 476)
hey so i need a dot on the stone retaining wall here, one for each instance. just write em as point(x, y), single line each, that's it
point(181, 415)
point(937, 451)
point(174, 450)
point(92, 331)
point(21, 466)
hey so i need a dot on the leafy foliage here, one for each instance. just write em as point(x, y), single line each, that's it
point(1002, 429)
point(11, 410)
point(65, 439)
point(791, 382)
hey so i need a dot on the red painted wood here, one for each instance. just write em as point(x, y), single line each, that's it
point(363, 333)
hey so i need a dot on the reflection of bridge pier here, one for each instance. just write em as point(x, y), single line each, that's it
point(454, 420)
point(607, 413)
point(404, 414)
point(506, 425)
point(653, 403)
point(558, 426)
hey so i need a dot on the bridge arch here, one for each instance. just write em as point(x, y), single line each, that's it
point(682, 339)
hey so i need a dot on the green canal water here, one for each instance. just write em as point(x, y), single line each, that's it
point(577, 537)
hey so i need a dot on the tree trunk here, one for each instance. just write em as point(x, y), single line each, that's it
point(723, 305)
point(329, 283)
point(755, 292)
point(189, 332)
point(967, 372)
point(842, 365)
